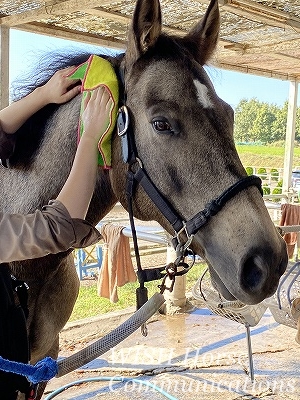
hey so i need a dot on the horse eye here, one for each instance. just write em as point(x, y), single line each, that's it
point(162, 126)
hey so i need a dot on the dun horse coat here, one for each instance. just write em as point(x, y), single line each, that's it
point(184, 137)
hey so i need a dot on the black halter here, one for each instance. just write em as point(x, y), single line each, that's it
point(136, 173)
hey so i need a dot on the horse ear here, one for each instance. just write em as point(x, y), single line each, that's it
point(145, 28)
point(202, 39)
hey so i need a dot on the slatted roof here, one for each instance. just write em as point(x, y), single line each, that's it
point(261, 37)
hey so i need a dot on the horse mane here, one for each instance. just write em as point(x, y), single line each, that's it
point(50, 62)
point(47, 65)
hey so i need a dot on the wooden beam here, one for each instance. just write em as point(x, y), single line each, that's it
point(257, 7)
point(260, 13)
point(268, 73)
point(111, 15)
point(282, 48)
point(4, 67)
point(287, 57)
point(61, 8)
point(98, 40)
point(67, 34)
point(126, 20)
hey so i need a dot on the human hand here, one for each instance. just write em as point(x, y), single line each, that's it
point(96, 115)
point(60, 87)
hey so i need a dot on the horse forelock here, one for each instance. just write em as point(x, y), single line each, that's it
point(161, 74)
point(172, 49)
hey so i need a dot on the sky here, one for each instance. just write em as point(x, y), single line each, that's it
point(26, 48)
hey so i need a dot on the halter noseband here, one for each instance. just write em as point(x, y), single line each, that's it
point(139, 175)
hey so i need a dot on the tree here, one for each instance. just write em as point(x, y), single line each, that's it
point(263, 122)
point(245, 115)
point(279, 125)
point(297, 128)
point(262, 128)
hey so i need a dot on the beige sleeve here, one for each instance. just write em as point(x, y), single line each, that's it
point(51, 230)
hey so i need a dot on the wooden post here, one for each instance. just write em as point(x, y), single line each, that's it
point(4, 66)
point(290, 136)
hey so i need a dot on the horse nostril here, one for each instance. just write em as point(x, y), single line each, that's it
point(252, 275)
point(258, 277)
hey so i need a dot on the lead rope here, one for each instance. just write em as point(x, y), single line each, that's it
point(141, 291)
point(122, 127)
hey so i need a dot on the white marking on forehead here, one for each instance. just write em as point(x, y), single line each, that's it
point(202, 94)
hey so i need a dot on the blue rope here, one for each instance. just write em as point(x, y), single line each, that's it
point(42, 371)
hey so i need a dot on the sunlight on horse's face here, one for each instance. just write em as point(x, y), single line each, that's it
point(203, 95)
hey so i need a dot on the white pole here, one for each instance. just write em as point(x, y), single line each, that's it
point(290, 137)
point(177, 297)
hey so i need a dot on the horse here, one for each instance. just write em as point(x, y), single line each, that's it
point(182, 136)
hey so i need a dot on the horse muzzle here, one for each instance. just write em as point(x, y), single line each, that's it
point(256, 278)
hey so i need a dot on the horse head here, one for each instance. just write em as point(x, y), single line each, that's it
point(183, 138)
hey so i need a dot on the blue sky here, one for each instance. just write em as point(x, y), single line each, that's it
point(231, 86)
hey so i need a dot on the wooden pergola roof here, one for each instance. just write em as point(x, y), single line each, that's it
point(257, 36)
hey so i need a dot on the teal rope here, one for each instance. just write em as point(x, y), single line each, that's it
point(42, 371)
point(112, 379)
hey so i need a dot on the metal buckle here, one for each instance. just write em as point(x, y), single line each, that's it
point(190, 238)
point(123, 120)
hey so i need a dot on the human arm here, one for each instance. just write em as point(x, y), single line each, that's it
point(60, 226)
point(47, 231)
point(58, 89)
point(78, 189)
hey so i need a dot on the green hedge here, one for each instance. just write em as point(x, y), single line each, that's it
point(262, 172)
point(274, 174)
point(277, 190)
point(249, 171)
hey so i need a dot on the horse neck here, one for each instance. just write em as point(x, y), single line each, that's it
point(103, 199)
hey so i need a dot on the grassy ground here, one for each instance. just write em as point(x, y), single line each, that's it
point(265, 156)
point(90, 304)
